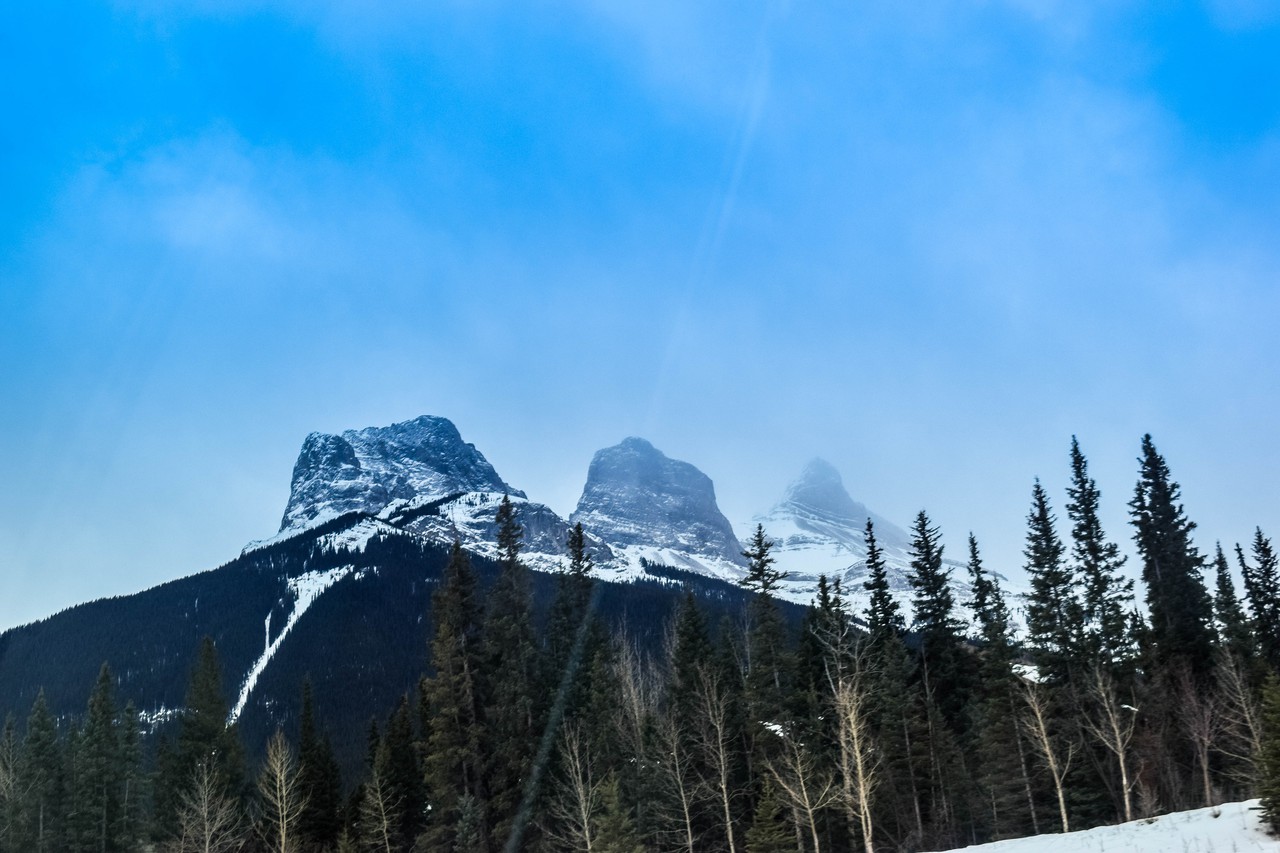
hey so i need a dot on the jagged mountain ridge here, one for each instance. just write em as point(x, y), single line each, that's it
point(366, 470)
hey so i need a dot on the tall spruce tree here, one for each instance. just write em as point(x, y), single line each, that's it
point(318, 777)
point(1002, 811)
point(1234, 635)
point(883, 616)
point(1053, 609)
point(454, 759)
point(1262, 588)
point(94, 823)
point(1180, 607)
point(766, 664)
point(1106, 596)
point(40, 824)
point(512, 665)
point(943, 664)
point(204, 738)
point(1269, 759)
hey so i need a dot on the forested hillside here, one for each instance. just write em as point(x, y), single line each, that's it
point(557, 712)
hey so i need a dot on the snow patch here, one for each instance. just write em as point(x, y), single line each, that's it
point(306, 588)
point(1228, 828)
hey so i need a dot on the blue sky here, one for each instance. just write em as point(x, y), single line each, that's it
point(928, 245)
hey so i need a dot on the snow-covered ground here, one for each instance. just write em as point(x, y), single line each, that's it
point(1229, 828)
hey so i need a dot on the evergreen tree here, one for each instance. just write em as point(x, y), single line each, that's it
point(40, 825)
point(1233, 626)
point(1106, 596)
point(204, 737)
point(1003, 808)
point(761, 577)
point(883, 615)
point(1269, 760)
point(1180, 607)
point(766, 632)
point(615, 830)
point(769, 831)
point(943, 664)
point(401, 771)
point(1053, 611)
point(132, 782)
point(512, 665)
point(318, 777)
point(1262, 587)
point(93, 824)
point(454, 760)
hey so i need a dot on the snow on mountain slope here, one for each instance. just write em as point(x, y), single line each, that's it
point(367, 469)
point(306, 588)
point(820, 530)
point(1229, 828)
point(471, 518)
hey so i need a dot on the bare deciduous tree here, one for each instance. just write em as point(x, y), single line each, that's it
point(283, 799)
point(1239, 722)
point(1197, 712)
point(575, 798)
point(716, 743)
point(379, 813)
point(676, 765)
point(1056, 757)
point(209, 820)
point(808, 788)
point(859, 760)
point(1112, 723)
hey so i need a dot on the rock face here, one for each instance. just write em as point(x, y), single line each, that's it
point(367, 469)
point(636, 496)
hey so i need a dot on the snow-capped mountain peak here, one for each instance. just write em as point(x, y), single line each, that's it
point(367, 469)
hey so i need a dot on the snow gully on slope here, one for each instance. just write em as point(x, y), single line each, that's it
point(306, 589)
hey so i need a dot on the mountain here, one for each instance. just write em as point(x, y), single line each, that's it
point(346, 603)
point(342, 593)
point(366, 470)
point(819, 529)
point(647, 506)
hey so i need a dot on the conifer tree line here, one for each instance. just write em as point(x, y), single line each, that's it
point(877, 730)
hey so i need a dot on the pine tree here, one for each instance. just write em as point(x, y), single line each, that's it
point(1269, 765)
point(1234, 635)
point(883, 616)
point(93, 824)
point(132, 782)
point(943, 665)
point(512, 668)
point(41, 800)
point(1053, 610)
point(1262, 587)
point(1000, 768)
point(766, 632)
point(204, 737)
point(615, 830)
point(318, 777)
point(402, 771)
point(769, 831)
point(1107, 597)
point(761, 577)
point(1180, 607)
point(453, 761)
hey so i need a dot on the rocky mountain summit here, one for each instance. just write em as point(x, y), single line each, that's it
point(639, 500)
point(365, 470)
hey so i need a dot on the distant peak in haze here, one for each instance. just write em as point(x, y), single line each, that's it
point(369, 468)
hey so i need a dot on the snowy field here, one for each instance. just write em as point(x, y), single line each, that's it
point(1229, 828)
